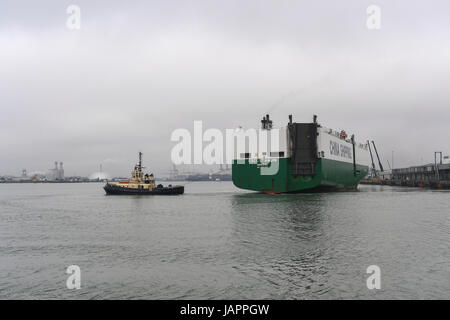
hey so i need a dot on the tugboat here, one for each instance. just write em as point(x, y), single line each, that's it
point(141, 184)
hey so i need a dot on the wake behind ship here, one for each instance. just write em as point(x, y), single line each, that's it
point(309, 156)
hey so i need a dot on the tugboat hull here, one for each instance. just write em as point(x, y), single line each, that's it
point(111, 189)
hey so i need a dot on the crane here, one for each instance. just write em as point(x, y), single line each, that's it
point(379, 161)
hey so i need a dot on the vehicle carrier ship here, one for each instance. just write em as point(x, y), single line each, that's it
point(308, 157)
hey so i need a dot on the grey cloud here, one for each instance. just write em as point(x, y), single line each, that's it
point(136, 71)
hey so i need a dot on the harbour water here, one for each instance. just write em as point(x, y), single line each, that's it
point(218, 242)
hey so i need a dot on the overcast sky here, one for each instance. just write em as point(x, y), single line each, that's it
point(137, 70)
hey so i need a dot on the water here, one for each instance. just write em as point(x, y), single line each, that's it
point(219, 242)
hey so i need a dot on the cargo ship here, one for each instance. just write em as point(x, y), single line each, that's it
point(308, 157)
point(141, 184)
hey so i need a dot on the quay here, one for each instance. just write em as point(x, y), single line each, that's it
point(435, 176)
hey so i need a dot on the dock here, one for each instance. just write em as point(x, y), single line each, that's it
point(434, 176)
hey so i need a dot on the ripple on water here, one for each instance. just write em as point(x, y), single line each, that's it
point(219, 242)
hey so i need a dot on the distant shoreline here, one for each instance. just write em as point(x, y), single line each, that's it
point(29, 181)
point(102, 181)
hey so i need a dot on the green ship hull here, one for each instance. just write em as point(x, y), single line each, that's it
point(329, 174)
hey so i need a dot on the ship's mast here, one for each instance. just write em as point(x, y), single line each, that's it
point(140, 167)
point(137, 172)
